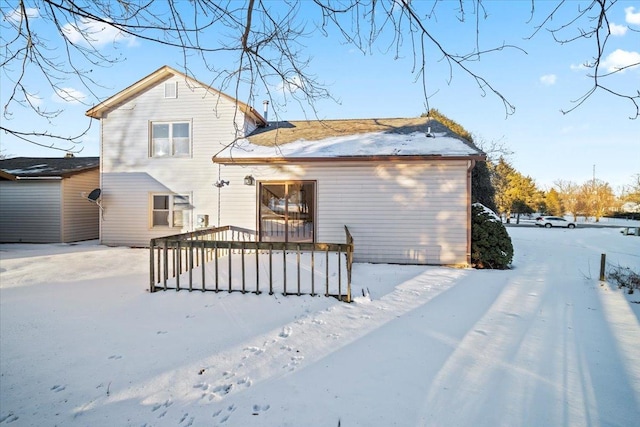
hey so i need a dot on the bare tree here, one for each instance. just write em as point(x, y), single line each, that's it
point(253, 43)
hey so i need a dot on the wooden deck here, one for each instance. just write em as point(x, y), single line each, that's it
point(230, 259)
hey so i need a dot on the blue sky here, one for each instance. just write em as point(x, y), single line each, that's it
point(546, 144)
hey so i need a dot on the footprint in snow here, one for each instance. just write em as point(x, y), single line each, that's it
point(157, 406)
point(286, 332)
point(254, 350)
point(257, 409)
point(184, 417)
point(9, 418)
point(58, 388)
point(295, 361)
point(225, 418)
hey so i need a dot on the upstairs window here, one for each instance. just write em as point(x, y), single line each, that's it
point(170, 210)
point(171, 90)
point(170, 139)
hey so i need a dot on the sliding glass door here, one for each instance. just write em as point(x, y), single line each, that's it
point(287, 211)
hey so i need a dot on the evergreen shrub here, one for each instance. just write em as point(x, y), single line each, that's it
point(491, 245)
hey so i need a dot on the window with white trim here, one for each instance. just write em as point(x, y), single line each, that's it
point(170, 139)
point(170, 210)
point(171, 90)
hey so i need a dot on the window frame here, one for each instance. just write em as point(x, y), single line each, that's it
point(171, 139)
point(288, 216)
point(171, 210)
point(175, 90)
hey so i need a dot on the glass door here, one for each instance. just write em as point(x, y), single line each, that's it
point(287, 211)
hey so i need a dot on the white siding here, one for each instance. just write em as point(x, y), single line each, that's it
point(129, 174)
point(397, 212)
point(80, 217)
point(30, 211)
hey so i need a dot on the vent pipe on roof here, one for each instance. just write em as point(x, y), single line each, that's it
point(429, 134)
point(265, 104)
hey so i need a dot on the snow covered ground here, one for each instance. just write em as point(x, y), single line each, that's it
point(545, 344)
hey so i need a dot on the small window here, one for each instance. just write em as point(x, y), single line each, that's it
point(171, 139)
point(169, 210)
point(171, 90)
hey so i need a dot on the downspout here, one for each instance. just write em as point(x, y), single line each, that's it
point(100, 183)
point(472, 164)
point(219, 193)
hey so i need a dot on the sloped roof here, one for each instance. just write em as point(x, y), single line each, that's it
point(161, 74)
point(38, 167)
point(359, 139)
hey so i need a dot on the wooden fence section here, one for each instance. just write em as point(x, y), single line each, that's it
point(231, 259)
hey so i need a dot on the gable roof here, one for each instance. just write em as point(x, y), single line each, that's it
point(158, 76)
point(39, 167)
point(359, 139)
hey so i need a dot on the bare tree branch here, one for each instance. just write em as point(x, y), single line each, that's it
point(256, 46)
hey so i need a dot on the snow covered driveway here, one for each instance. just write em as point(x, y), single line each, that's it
point(83, 344)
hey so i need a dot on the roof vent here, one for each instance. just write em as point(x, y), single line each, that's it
point(429, 134)
point(265, 104)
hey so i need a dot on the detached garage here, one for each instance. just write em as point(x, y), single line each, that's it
point(44, 200)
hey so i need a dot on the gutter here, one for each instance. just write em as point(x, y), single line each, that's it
point(366, 158)
point(38, 178)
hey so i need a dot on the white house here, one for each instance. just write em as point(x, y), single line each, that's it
point(157, 139)
point(401, 186)
point(43, 200)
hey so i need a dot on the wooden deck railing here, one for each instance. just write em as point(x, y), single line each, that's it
point(231, 259)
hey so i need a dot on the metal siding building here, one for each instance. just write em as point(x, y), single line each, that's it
point(41, 200)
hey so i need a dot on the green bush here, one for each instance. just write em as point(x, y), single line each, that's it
point(491, 245)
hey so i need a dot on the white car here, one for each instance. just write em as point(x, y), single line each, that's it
point(554, 221)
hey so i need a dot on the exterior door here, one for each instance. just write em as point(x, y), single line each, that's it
point(287, 211)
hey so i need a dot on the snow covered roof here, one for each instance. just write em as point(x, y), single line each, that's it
point(37, 167)
point(349, 140)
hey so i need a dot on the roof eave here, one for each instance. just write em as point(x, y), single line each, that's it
point(375, 158)
point(7, 176)
point(161, 73)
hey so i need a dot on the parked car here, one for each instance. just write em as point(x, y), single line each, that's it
point(554, 221)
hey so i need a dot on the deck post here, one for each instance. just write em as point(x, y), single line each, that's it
point(313, 274)
point(202, 243)
point(243, 267)
point(152, 277)
point(229, 256)
point(349, 267)
point(326, 273)
point(284, 267)
point(190, 255)
point(270, 269)
point(298, 262)
point(179, 264)
point(257, 272)
point(215, 251)
point(165, 252)
point(339, 274)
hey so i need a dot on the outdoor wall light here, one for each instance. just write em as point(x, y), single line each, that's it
point(249, 180)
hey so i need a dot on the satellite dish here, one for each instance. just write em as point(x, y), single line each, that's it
point(94, 195)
